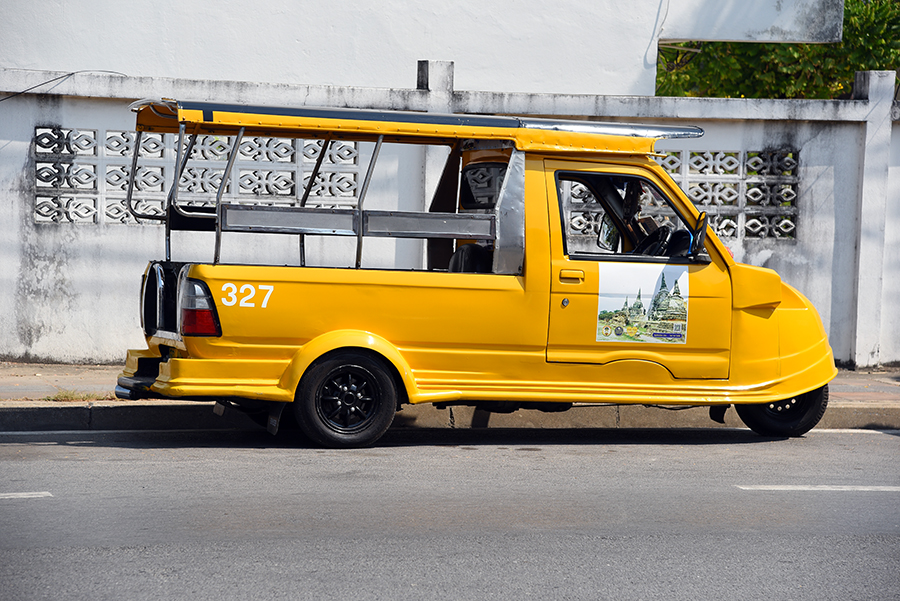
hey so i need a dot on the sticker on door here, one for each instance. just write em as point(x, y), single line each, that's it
point(643, 303)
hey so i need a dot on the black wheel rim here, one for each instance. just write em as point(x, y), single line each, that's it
point(788, 410)
point(348, 399)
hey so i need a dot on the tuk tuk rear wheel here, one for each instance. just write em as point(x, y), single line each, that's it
point(347, 400)
point(789, 417)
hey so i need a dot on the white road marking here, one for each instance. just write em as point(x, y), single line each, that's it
point(851, 431)
point(820, 487)
point(24, 495)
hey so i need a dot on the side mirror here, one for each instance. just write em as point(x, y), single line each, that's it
point(608, 238)
point(698, 235)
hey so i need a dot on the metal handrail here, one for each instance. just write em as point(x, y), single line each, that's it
point(162, 116)
point(128, 198)
point(326, 142)
point(232, 156)
point(315, 172)
point(172, 199)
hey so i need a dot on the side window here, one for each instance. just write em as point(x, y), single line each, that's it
point(491, 195)
point(606, 214)
point(589, 228)
point(481, 185)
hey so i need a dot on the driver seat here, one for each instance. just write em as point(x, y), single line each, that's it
point(471, 258)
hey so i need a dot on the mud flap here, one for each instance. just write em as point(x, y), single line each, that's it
point(275, 410)
point(717, 413)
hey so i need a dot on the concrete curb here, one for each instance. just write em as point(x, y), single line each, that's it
point(95, 416)
point(167, 415)
point(858, 400)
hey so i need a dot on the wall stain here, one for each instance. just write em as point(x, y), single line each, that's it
point(44, 293)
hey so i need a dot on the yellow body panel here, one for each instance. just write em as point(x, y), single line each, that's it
point(485, 337)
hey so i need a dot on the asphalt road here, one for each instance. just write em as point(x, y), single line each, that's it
point(451, 514)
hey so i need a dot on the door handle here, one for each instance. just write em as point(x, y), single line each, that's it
point(571, 276)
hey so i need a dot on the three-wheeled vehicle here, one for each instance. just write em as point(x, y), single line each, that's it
point(548, 263)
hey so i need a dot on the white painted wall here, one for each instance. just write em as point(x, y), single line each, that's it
point(69, 292)
point(820, 262)
point(589, 46)
point(62, 288)
point(889, 337)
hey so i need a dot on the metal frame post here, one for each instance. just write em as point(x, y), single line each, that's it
point(362, 198)
point(326, 142)
point(232, 156)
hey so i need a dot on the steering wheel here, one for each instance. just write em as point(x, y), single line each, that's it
point(656, 243)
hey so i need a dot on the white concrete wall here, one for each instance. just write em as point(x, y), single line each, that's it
point(889, 337)
point(590, 46)
point(820, 262)
point(68, 292)
point(62, 290)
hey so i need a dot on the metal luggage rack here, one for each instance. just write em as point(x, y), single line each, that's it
point(300, 219)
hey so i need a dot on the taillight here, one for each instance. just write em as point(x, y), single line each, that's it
point(197, 310)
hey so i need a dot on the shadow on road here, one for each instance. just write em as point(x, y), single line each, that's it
point(571, 436)
point(395, 438)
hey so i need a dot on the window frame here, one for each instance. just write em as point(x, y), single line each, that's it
point(582, 177)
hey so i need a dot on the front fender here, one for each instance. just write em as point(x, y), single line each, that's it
point(807, 361)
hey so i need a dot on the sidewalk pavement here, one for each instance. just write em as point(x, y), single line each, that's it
point(38, 397)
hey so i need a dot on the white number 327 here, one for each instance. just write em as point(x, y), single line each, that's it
point(245, 296)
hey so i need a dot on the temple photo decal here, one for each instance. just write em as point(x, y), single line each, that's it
point(643, 303)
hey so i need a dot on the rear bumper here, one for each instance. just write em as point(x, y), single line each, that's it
point(141, 372)
point(149, 377)
point(134, 388)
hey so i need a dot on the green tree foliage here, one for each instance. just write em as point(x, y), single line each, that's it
point(871, 42)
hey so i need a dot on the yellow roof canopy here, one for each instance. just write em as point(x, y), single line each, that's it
point(527, 134)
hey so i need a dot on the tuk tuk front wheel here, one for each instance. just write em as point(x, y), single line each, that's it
point(348, 400)
point(789, 417)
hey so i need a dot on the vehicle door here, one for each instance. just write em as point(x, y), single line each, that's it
point(623, 286)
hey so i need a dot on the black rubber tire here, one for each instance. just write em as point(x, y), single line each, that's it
point(790, 417)
point(347, 400)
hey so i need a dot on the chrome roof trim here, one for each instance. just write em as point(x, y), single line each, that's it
point(637, 130)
